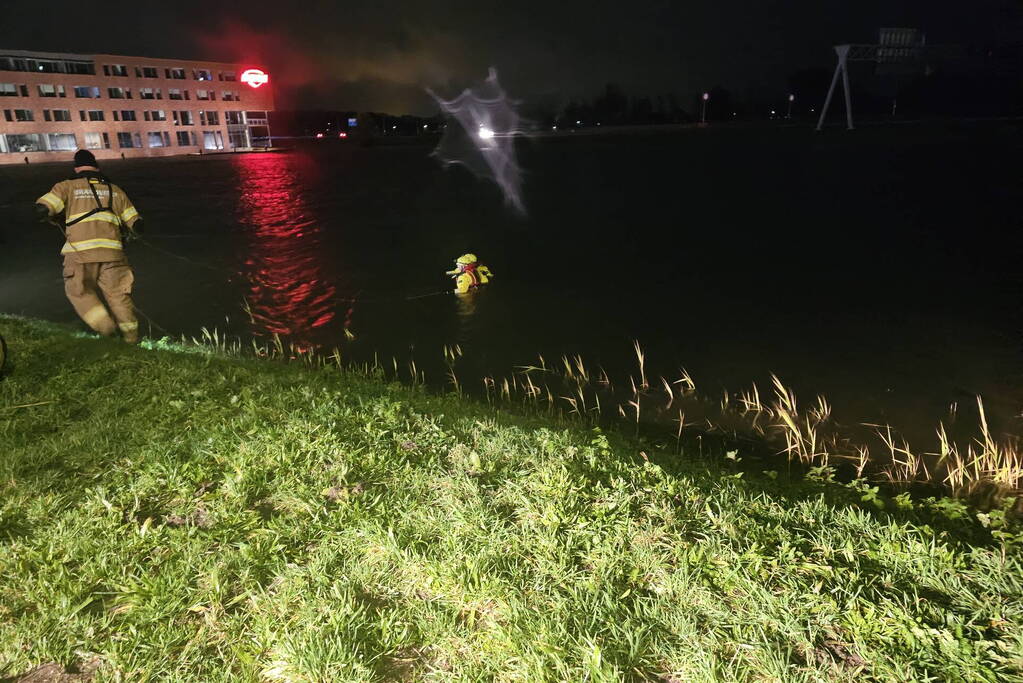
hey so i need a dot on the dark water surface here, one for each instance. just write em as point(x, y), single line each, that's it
point(879, 268)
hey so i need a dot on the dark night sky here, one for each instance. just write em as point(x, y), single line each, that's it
point(380, 55)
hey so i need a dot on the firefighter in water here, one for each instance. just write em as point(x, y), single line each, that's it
point(98, 219)
point(469, 273)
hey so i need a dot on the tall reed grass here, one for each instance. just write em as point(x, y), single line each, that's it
point(983, 467)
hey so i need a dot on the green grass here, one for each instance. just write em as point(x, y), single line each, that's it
point(189, 516)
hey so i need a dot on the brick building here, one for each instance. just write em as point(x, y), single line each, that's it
point(115, 106)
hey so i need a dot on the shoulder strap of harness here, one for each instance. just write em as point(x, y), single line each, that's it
point(99, 208)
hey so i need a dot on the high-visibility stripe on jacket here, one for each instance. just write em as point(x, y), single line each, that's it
point(86, 245)
point(105, 216)
point(53, 201)
point(96, 238)
point(468, 279)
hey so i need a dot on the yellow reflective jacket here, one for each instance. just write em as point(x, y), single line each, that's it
point(472, 278)
point(96, 237)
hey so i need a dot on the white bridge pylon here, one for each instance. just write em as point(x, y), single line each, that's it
point(846, 53)
point(897, 47)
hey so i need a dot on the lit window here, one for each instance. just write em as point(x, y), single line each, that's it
point(160, 139)
point(97, 141)
point(62, 142)
point(129, 140)
point(25, 142)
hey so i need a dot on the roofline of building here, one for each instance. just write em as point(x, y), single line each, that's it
point(73, 56)
point(81, 57)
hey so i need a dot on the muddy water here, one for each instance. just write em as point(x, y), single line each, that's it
point(879, 268)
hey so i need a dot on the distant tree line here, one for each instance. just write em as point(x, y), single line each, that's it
point(961, 81)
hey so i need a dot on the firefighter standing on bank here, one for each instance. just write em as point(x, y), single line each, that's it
point(98, 218)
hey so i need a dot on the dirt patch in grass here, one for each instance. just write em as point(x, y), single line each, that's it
point(52, 672)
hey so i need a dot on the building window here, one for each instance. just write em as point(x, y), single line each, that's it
point(62, 142)
point(202, 94)
point(25, 142)
point(156, 115)
point(95, 114)
point(186, 138)
point(228, 76)
point(147, 94)
point(146, 72)
point(233, 118)
point(128, 115)
point(86, 91)
point(23, 115)
point(209, 118)
point(47, 90)
point(115, 70)
point(8, 90)
point(117, 115)
point(97, 141)
point(84, 68)
point(238, 138)
point(46, 115)
point(212, 139)
point(12, 64)
point(159, 139)
point(24, 90)
point(174, 94)
point(178, 74)
point(61, 115)
point(183, 118)
point(230, 96)
point(258, 117)
point(115, 93)
point(129, 140)
point(202, 75)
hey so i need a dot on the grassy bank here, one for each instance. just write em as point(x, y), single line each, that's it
point(185, 516)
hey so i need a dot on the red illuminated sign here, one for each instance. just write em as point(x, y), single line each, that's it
point(254, 77)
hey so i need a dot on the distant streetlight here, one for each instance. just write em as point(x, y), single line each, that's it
point(792, 98)
point(703, 113)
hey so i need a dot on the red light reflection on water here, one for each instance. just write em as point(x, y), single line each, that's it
point(289, 290)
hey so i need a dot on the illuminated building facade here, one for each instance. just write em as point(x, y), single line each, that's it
point(116, 106)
